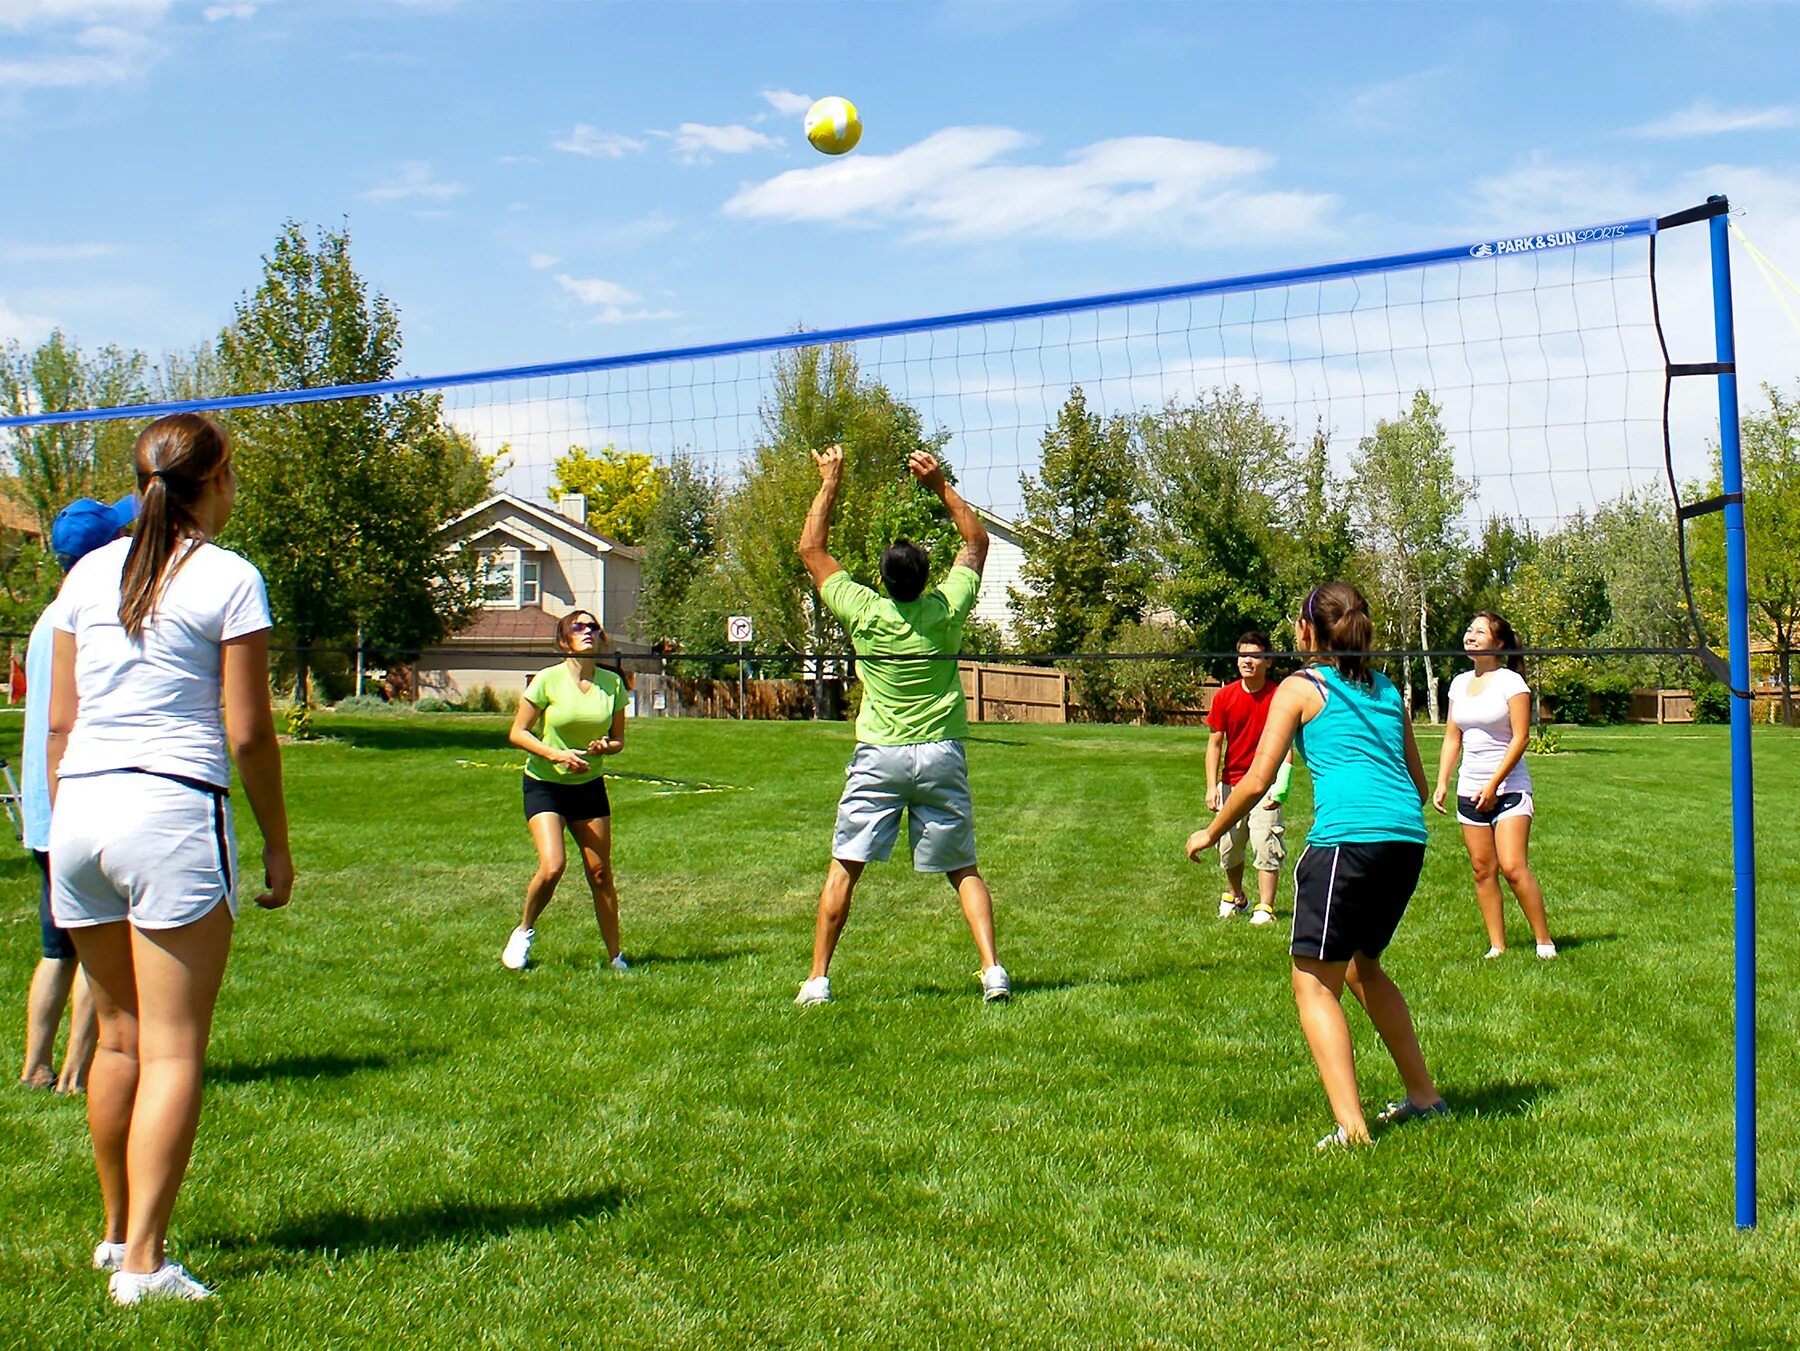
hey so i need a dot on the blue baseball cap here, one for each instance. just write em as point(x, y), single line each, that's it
point(84, 525)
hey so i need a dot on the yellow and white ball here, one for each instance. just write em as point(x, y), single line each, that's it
point(833, 126)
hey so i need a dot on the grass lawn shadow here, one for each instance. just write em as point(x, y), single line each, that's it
point(413, 736)
point(346, 1231)
point(328, 1066)
point(1497, 1098)
point(716, 957)
point(1051, 984)
point(1584, 941)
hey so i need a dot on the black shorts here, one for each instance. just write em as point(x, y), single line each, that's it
point(571, 801)
point(58, 946)
point(1348, 898)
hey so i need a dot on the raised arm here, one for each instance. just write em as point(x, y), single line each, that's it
point(815, 537)
point(974, 534)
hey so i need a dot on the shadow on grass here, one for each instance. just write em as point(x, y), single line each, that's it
point(1052, 984)
point(716, 957)
point(328, 1066)
point(1497, 1099)
point(346, 1231)
point(412, 735)
point(995, 741)
point(1584, 941)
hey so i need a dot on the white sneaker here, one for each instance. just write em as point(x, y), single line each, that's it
point(1265, 914)
point(1230, 905)
point(817, 990)
point(517, 954)
point(169, 1281)
point(619, 963)
point(108, 1256)
point(995, 987)
point(1547, 951)
point(1492, 953)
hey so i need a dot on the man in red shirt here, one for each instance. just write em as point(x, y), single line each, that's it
point(1236, 718)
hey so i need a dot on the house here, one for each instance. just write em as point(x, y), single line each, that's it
point(538, 563)
point(1003, 573)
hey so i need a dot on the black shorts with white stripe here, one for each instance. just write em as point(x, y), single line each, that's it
point(1348, 898)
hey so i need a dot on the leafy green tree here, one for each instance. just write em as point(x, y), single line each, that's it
point(1318, 541)
point(1087, 566)
point(1217, 471)
point(1771, 451)
point(339, 501)
point(1490, 568)
point(53, 465)
point(620, 487)
point(680, 540)
point(1407, 505)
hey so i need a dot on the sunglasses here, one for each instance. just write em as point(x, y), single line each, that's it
point(582, 626)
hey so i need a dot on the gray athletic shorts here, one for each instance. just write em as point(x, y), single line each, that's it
point(930, 783)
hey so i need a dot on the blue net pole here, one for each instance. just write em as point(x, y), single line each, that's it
point(1743, 815)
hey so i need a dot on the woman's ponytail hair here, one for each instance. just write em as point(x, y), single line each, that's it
point(1504, 639)
point(176, 455)
point(1342, 630)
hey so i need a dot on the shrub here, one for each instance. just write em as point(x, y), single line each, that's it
point(365, 703)
point(300, 723)
point(486, 699)
point(431, 704)
point(1712, 702)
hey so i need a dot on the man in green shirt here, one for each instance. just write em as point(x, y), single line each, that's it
point(909, 735)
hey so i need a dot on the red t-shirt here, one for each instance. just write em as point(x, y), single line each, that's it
point(1240, 715)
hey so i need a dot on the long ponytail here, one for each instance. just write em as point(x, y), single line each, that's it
point(176, 456)
point(1342, 630)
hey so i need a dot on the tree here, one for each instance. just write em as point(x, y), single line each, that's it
point(340, 501)
point(1217, 470)
point(54, 465)
point(1086, 568)
point(1407, 506)
point(680, 543)
point(1318, 543)
point(620, 487)
point(1771, 454)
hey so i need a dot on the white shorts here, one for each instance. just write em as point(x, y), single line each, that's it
point(158, 852)
point(930, 783)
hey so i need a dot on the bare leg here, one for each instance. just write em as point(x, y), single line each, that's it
point(50, 984)
point(1318, 988)
point(178, 975)
point(834, 909)
point(1267, 882)
point(1234, 875)
point(978, 910)
point(79, 1054)
point(1479, 840)
point(547, 834)
point(1512, 843)
point(595, 839)
point(1386, 1006)
point(112, 1084)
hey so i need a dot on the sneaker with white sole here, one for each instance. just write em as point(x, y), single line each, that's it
point(1338, 1139)
point(517, 954)
point(1265, 914)
point(1492, 953)
point(815, 990)
point(108, 1256)
point(995, 987)
point(1547, 951)
point(1230, 905)
point(618, 963)
point(169, 1281)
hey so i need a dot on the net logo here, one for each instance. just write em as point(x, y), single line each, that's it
point(1556, 239)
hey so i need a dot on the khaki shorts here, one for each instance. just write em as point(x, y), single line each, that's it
point(1261, 833)
point(930, 784)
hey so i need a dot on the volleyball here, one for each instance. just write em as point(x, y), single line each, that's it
point(833, 126)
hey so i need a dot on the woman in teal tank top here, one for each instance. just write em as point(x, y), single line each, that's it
point(1363, 855)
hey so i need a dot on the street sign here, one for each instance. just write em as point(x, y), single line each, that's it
point(739, 629)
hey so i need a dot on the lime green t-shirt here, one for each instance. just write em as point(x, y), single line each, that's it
point(572, 717)
point(907, 703)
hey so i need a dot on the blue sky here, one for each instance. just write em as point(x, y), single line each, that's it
point(539, 181)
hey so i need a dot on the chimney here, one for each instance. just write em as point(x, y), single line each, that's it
point(574, 506)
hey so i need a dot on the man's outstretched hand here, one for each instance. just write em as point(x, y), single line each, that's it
point(831, 464)
point(926, 469)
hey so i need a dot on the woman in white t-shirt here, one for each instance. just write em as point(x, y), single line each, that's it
point(1488, 726)
point(160, 677)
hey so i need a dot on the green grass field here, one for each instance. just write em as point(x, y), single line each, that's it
point(405, 1144)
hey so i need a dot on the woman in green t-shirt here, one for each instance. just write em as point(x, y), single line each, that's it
point(572, 713)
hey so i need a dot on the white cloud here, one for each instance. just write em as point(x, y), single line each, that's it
point(955, 184)
point(414, 183)
point(697, 143)
point(596, 144)
point(787, 103)
point(1701, 118)
point(615, 301)
point(55, 253)
point(213, 13)
point(1397, 103)
point(540, 261)
point(20, 14)
point(102, 54)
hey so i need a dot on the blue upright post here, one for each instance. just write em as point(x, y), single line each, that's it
point(1743, 815)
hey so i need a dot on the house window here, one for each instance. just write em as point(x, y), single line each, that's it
point(499, 578)
point(528, 581)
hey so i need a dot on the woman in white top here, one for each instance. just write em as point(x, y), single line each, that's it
point(156, 632)
point(1488, 726)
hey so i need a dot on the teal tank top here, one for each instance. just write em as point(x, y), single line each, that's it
point(1355, 750)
